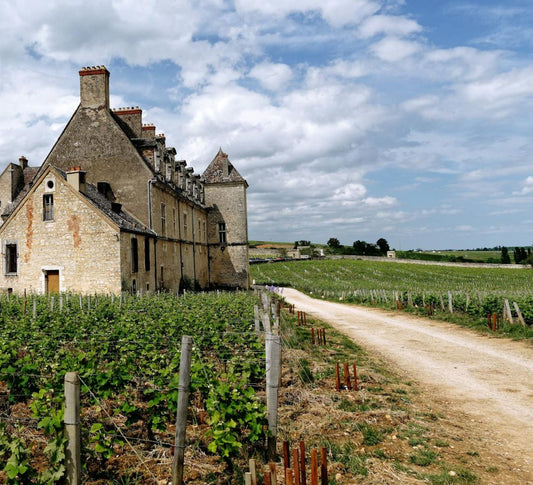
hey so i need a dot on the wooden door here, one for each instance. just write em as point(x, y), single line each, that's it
point(52, 281)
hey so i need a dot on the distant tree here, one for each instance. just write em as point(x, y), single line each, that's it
point(334, 243)
point(359, 247)
point(505, 258)
point(519, 254)
point(383, 245)
point(364, 248)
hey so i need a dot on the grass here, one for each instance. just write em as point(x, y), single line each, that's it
point(364, 432)
point(472, 292)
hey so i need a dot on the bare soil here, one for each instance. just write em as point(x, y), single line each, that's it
point(481, 385)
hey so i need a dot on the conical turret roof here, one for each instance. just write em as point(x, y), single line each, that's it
point(220, 170)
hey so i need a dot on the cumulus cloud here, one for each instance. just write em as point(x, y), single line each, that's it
point(527, 187)
point(389, 25)
point(325, 107)
point(395, 49)
point(272, 76)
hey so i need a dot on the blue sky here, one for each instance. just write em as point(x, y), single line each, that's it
point(355, 119)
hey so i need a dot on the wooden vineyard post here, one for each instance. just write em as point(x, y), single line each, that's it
point(288, 476)
point(268, 478)
point(312, 336)
point(347, 383)
point(286, 457)
point(314, 467)
point(519, 313)
point(273, 370)
point(34, 308)
point(266, 322)
point(296, 466)
point(72, 429)
point(355, 384)
point(450, 302)
point(181, 413)
point(256, 318)
point(323, 466)
point(507, 315)
point(337, 377)
point(273, 473)
point(303, 478)
point(253, 472)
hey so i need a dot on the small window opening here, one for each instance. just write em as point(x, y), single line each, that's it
point(11, 258)
point(222, 232)
point(134, 255)
point(48, 207)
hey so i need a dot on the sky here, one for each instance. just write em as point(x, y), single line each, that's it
point(355, 119)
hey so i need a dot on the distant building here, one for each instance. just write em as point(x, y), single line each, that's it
point(111, 209)
point(391, 254)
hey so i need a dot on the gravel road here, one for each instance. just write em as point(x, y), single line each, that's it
point(484, 381)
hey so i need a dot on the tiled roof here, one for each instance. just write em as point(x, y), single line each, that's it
point(122, 219)
point(214, 173)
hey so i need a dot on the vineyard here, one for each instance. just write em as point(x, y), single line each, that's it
point(127, 353)
point(473, 292)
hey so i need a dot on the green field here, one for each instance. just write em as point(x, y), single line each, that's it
point(475, 291)
point(127, 354)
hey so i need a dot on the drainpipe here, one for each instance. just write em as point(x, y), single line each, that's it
point(149, 185)
point(193, 222)
point(180, 241)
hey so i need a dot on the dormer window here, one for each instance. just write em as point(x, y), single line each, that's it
point(48, 207)
point(222, 232)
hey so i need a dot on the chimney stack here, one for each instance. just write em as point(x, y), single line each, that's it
point(148, 131)
point(94, 87)
point(133, 118)
point(76, 178)
point(23, 162)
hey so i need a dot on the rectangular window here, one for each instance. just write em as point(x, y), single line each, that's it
point(174, 222)
point(48, 207)
point(184, 224)
point(222, 232)
point(199, 235)
point(147, 254)
point(163, 220)
point(11, 259)
point(134, 255)
point(205, 233)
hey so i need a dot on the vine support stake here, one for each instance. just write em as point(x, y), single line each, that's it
point(72, 428)
point(181, 413)
point(273, 371)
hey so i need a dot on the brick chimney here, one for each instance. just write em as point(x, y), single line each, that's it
point(133, 118)
point(76, 178)
point(148, 131)
point(23, 162)
point(94, 87)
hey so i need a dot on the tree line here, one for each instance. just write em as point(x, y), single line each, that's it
point(363, 248)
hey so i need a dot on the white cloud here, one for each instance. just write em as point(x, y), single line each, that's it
point(394, 49)
point(389, 25)
point(336, 12)
point(527, 187)
point(272, 76)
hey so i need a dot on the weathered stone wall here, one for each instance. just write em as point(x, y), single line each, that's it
point(143, 279)
point(228, 261)
point(79, 242)
point(93, 140)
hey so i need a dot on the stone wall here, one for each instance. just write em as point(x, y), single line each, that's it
point(79, 242)
point(228, 261)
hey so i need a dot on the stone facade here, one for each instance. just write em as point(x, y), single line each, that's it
point(171, 217)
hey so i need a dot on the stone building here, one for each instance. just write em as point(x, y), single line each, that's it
point(111, 209)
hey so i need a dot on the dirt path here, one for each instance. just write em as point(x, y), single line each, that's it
point(485, 382)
